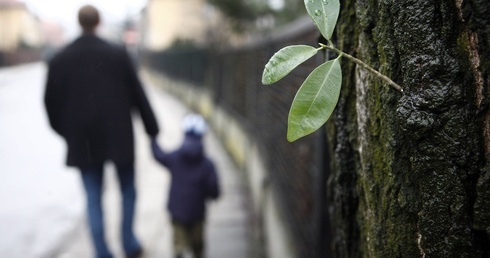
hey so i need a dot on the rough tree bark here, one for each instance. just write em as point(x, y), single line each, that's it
point(411, 170)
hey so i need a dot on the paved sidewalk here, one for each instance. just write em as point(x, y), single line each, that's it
point(226, 229)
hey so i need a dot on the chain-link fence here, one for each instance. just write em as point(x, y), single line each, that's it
point(297, 171)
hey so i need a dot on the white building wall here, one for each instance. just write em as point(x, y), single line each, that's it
point(168, 20)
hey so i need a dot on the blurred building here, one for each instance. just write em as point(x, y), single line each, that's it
point(54, 38)
point(20, 33)
point(53, 34)
point(18, 27)
point(166, 22)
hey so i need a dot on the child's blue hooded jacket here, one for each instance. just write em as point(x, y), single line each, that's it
point(194, 179)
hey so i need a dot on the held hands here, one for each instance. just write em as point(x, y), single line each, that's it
point(155, 149)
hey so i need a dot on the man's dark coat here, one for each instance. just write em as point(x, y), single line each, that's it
point(91, 91)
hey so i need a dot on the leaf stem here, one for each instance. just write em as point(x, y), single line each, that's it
point(364, 65)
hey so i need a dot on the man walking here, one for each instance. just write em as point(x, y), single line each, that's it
point(91, 90)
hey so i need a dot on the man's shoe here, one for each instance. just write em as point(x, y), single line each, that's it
point(137, 254)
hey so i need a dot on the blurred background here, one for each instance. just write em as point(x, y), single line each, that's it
point(200, 55)
point(32, 29)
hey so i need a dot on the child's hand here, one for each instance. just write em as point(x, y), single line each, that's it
point(158, 153)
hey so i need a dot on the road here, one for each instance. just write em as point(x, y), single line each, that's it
point(40, 198)
point(42, 210)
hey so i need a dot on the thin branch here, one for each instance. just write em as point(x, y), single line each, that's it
point(365, 66)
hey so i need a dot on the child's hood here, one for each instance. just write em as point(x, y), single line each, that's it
point(192, 148)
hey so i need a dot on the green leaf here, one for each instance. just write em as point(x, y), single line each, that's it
point(315, 100)
point(324, 14)
point(284, 61)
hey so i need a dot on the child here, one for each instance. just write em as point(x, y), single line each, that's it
point(194, 180)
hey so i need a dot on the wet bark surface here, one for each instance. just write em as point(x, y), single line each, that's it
point(411, 173)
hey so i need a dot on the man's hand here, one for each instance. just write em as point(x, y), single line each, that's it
point(155, 148)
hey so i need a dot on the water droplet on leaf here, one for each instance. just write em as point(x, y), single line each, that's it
point(318, 12)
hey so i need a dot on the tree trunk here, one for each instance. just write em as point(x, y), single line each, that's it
point(411, 170)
